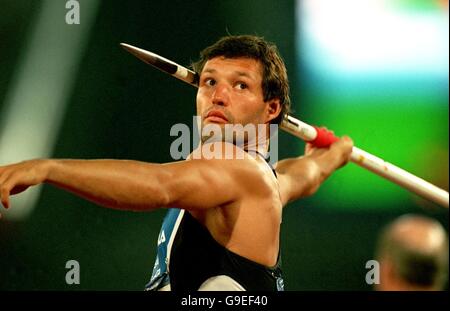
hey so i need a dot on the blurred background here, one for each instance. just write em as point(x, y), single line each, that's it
point(375, 70)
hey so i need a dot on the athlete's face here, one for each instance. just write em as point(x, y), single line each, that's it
point(230, 92)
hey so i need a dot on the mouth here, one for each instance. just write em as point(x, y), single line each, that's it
point(216, 116)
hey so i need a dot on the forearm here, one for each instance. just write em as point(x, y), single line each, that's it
point(118, 184)
point(305, 174)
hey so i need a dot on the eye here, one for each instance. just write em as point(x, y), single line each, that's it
point(241, 85)
point(210, 82)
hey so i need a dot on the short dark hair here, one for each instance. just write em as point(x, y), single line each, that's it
point(275, 82)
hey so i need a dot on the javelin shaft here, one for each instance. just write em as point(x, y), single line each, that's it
point(311, 134)
point(375, 165)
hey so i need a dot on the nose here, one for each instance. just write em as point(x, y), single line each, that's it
point(220, 95)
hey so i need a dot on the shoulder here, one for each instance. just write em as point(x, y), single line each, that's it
point(230, 160)
point(218, 151)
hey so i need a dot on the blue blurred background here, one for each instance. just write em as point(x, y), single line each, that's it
point(376, 70)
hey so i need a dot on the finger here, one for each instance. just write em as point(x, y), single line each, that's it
point(4, 176)
point(326, 129)
point(346, 143)
point(6, 187)
point(4, 193)
point(308, 147)
point(342, 150)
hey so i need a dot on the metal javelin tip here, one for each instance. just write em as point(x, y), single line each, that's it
point(163, 64)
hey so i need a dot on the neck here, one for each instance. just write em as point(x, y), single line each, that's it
point(261, 147)
point(259, 143)
point(255, 139)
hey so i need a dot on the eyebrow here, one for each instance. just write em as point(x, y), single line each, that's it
point(239, 73)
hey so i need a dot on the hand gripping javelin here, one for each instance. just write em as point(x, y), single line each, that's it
point(317, 136)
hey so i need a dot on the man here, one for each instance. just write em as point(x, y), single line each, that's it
point(223, 232)
point(413, 255)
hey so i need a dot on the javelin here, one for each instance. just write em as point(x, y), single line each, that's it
point(317, 136)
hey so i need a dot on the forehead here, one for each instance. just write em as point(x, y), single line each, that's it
point(240, 65)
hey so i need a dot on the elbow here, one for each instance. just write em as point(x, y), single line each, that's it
point(152, 193)
point(165, 199)
point(313, 179)
point(164, 194)
point(310, 190)
point(149, 199)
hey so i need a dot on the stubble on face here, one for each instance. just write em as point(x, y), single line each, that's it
point(247, 113)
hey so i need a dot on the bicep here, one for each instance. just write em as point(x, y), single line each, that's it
point(201, 184)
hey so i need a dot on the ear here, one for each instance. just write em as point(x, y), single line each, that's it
point(273, 109)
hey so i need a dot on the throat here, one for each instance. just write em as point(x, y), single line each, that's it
point(254, 147)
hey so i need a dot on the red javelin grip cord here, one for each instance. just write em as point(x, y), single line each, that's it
point(324, 138)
